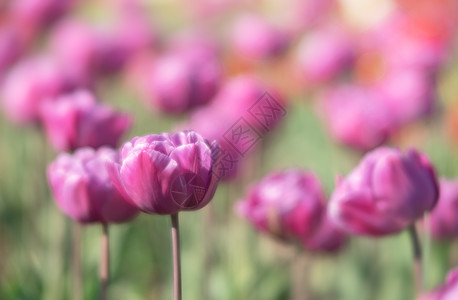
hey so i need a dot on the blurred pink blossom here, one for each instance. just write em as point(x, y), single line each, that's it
point(387, 192)
point(287, 204)
point(83, 190)
point(76, 120)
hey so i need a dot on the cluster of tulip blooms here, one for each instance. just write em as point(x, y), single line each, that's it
point(393, 66)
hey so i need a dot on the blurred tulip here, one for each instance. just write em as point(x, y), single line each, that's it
point(33, 15)
point(385, 193)
point(243, 104)
point(409, 94)
point(83, 190)
point(11, 47)
point(324, 53)
point(287, 204)
point(177, 82)
point(443, 221)
point(447, 291)
point(328, 237)
point(30, 83)
point(254, 38)
point(356, 117)
point(76, 120)
point(167, 173)
point(75, 45)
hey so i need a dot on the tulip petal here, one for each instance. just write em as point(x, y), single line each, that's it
point(146, 177)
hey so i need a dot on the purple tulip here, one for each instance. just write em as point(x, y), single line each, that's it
point(328, 237)
point(324, 54)
point(448, 291)
point(179, 82)
point(77, 120)
point(167, 173)
point(357, 117)
point(287, 204)
point(83, 190)
point(385, 193)
point(254, 38)
point(29, 84)
point(443, 221)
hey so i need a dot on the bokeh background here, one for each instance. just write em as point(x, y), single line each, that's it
point(223, 256)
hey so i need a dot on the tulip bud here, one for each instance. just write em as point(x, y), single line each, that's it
point(387, 192)
point(83, 190)
point(287, 204)
point(443, 221)
point(167, 173)
point(77, 120)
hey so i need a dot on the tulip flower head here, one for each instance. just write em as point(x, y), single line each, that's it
point(254, 38)
point(166, 173)
point(287, 204)
point(77, 120)
point(83, 190)
point(385, 193)
point(357, 117)
point(443, 221)
point(29, 84)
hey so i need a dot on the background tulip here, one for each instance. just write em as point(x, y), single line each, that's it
point(447, 291)
point(254, 38)
point(385, 193)
point(77, 120)
point(29, 84)
point(356, 117)
point(83, 190)
point(167, 173)
point(178, 82)
point(287, 204)
point(333, 46)
point(443, 221)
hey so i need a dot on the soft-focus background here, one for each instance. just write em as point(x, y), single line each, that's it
point(223, 256)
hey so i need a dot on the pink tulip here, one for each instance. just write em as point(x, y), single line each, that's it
point(254, 38)
point(77, 120)
point(29, 84)
point(443, 220)
point(179, 82)
point(11, 47)
point(448, 291)
point(83, 190)
point(408, 93)
point(327, 238)
point(385, 193)
point(357, 117)
point(324, 53)
point(76, 45)
point(167, 173)
point(287, 204)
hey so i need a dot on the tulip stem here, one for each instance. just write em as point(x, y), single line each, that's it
point(76, 262)
point(417, 267)
point(104, 263)
point(176, 257)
